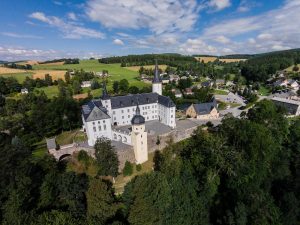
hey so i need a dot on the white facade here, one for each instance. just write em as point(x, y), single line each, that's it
point(157, 88)
point(101, 118)
point(140, 144)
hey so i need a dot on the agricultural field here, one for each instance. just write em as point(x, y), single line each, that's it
point(55, 74)
point(206, 59)
point(136, 68)
point(20, 75)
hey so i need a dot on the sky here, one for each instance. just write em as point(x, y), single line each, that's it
point(48, 29)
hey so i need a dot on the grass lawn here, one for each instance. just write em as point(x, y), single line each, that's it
point(290, 69)
point(19, 76)
point(264, 91)
point(40, 149)
point(67, 137)
point(121, 181)
point(50, 91)
point(220, 92)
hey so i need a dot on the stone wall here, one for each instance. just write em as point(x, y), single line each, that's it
point(176, 135)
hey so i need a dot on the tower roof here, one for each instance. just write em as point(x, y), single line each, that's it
point(156, 78)
point(104, 92)
point(137, 119)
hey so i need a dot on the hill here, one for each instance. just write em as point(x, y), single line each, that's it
point(261, 66)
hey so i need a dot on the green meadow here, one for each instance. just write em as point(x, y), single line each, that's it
point(116, 73)
point(20, 77)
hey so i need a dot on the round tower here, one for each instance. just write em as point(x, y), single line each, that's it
point(139, 137)
point(156, 82)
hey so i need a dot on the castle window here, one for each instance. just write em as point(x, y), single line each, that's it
point(103, 121)
point(99, 127)
point(114, 112)
point(104, 127)
point(98, 122)
point(93, 123)
point(122, 111)
point(115, 118)
point(122, 117)
point(127, 110)
point(128, 116)
point(94, 128)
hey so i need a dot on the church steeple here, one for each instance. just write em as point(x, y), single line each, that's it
point(104, 92)
point(156, 78)
point(156, 82)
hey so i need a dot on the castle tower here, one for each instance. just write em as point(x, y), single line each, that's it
point(139, 137)
point(156, 82)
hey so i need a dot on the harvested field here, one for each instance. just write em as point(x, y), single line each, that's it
point(136, 68)
point(206, 59)
point(55, 74)
point(4, 70)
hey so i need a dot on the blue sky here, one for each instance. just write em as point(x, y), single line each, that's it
point(45, 29)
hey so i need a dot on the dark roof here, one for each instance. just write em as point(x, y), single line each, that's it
point(206, 83)
point(94, 111)
point(142, 99)
point(137, 118)
point(205, 108)
point(165, 101)
point(156, 78)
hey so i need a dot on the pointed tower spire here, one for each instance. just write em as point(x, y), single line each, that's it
point(156, 78)
point(104, 92)
point(137, 111)
point(137, 119)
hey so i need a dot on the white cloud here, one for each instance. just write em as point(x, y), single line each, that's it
point(222, 39)
point(264, 36)
point(197, 46)
point(13, 53)
point(57, 3)
point(158, 16)
point(15, 35)
point(218, 5)
point(247, 5)
point(271, 30)
point(72, 16)
point(118, 42)
point(68, 29)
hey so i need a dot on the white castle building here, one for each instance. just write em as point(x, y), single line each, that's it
point(102, 117)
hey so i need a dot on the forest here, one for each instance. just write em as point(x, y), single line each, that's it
point(245, 171)
point(260, 67)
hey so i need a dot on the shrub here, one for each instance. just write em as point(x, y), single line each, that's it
point(83, 157)
point(128, 169)
point(138, 167)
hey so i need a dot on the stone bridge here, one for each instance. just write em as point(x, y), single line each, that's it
point(68, 150)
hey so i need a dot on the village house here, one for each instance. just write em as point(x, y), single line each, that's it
point(174, 77)
point(220, 82)
point(177, 93)
point(24, 91)
point(291, 106)
point(188, 91)
point(165, 80)
point(86, 84)
point(207, 84)
point(203, 111)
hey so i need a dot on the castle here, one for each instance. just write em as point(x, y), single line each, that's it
point(102, 117)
